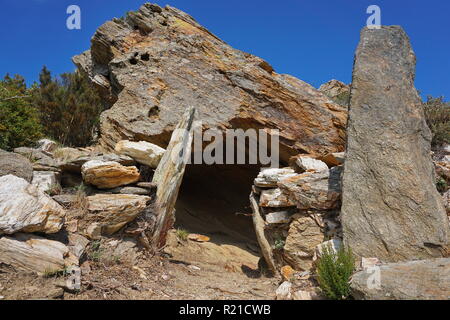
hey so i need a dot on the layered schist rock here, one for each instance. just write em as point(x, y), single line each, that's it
point(26, 209)
point(337, 90)
point(108, 174)
point(156, 62)
point(15, 164)
point(391, 208)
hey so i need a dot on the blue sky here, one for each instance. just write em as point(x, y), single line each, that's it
point(313, 40)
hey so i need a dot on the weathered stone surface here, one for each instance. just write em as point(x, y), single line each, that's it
point(334, 159)
point(45, 180)
point(304, 236)
point(156, 62)
point(336, 90)
point(306, 163)
point(390, 209)
point(29, 252)
point(24, 208)
point(130, 190)
point(113, 211)
point(284, 291)
point(108, 174)
point(66, 200)
point(15, 164)
point(77, 244)
point(314, 190)
point(278, 217)
point(446, 198)
point(143, 152)
point(275, 198)
point(169, 175)
point(39, 160)
point(413, 280)
point(74, 159)
point(269, 177)
point(333, 245)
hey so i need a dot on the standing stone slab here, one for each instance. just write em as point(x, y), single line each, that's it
point(391, 209)
point(169, 175)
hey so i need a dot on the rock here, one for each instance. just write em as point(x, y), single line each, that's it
point(40, 160)
point(45, 181)
point(304, 236)
point(32, 253)
point(143, 152)
point(77, 244)
point(94, 231)
point(278, 217)
point(367, 263)
point(309, 164)
point(333, 244)
point(446, 148)
point(287, 273)
point(334, 159)
point(147, 185)
point(47, 145)
point(446, 198)
point(275, 198)
point(337, 90)
point(198, 237)
point(314, 190)
point(130, 190)
point(65, 200)
point(108, 174)
point(268, 178)
point(304, 295)
point(24, 208)
point(230, 88)
point(169, 175)
point(284, 291)
point(74, 165)
point(15, 164)
point(412, 280)
point(390, 208)
point(113, 211)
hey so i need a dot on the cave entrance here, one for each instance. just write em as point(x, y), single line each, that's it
point(214, 201)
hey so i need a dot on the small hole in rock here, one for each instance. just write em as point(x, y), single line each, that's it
point(133, 61)
point(145, 57)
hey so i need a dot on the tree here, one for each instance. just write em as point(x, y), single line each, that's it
point(437, 114)
point(19, 119)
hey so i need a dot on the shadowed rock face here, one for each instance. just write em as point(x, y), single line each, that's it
point(157, 61)
point(391, 209)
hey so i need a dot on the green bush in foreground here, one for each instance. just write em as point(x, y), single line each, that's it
point(334, 271)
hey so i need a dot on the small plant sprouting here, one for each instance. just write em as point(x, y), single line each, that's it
point(279, 243)
point(182, 234)
point(334, 270)
point(95, 252)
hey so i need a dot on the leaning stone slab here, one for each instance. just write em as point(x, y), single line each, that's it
point(29, 252)
point(24, 208)
point(143, 152)
point(390, 207)
point(413, 280)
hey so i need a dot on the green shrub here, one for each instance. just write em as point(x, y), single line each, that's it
point(19, 120)
point(182, 234)
point(437, 114)
point(334, 271)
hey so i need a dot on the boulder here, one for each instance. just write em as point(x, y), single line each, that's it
point(412, 280)
point(108, 174)
point(24, 208)
point(76, 159)
point(150, 81)
point(112, 211)
point(390, 207)
point(269, 177)
point(143, 152)
point(45, 181)
point(284, 291)
point(304, 236)
point(314, 190)
point(15, 164)
point(28, 252)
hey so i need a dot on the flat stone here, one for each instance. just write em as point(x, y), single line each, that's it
point(309, 164)
point(143, 152)
point(15, 164)
point(45, 181)
point(275, 198)
point(278, 217)
point(268, 178)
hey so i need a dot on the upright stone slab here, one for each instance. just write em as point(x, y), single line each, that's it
point(390, 209)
